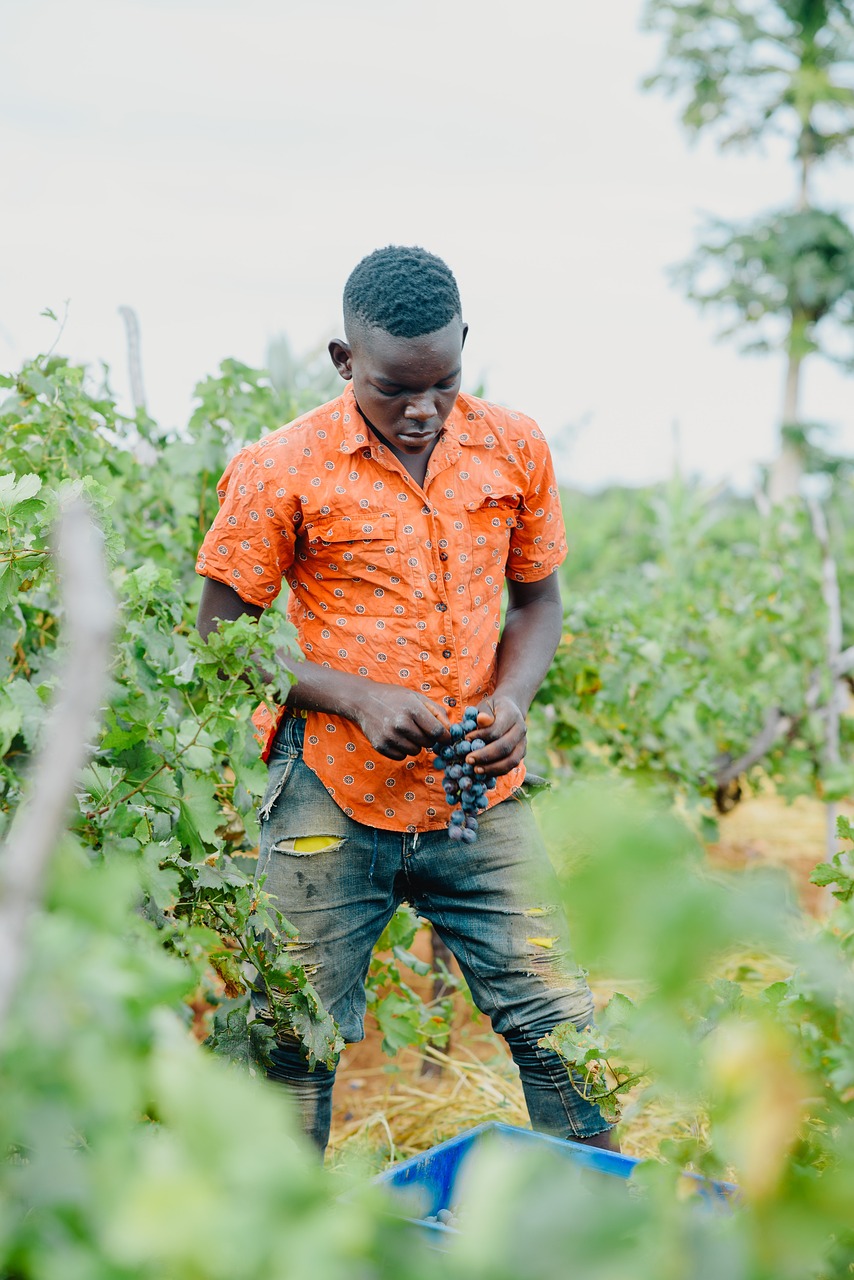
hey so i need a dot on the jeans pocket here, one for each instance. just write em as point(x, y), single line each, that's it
point(280, 768)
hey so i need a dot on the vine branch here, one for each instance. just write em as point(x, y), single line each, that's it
point(40, 819)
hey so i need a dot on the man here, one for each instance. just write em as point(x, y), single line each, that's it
point(396, 513)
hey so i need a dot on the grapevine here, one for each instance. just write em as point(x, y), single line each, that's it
point(462, 786)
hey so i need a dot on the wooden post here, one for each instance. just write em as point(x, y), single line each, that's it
point(838, 695)
point(41, 816)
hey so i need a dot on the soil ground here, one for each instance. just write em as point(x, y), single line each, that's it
point(386, 1109)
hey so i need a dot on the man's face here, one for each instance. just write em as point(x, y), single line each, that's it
point(405, 387)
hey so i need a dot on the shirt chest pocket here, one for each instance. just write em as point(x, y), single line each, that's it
point(360, 546)
point(492, 519)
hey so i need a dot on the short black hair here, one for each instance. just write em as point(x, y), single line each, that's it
point(403, 290)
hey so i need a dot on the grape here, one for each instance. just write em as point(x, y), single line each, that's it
point(462, 786)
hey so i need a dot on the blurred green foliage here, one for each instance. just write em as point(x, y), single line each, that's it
point(698, 619)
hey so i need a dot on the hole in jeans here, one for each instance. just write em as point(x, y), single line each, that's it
point(301, 846)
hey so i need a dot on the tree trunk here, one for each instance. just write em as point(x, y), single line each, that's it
point(803, 198)
point(788, 466)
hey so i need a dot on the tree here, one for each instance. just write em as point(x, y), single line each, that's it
point(747, 70)
point(792, 271)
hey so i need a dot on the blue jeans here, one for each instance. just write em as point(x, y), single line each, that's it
point(492, 902)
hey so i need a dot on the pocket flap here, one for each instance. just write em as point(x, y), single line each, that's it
point(503, 506)
point(364, 526)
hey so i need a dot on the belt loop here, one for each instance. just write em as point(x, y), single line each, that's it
point(374, 858)
point(296, 732)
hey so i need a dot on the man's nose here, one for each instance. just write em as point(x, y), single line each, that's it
point(420, 408)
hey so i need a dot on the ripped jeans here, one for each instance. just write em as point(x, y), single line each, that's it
point(339, 882)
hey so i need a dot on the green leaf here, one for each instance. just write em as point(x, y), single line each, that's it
point(10, 721)
point(400, 930)
point(161, 883)
point(421, 967)
point(399, 1020)
point(122, 735)
point(25, 696)
point(245, 1044)
point(844, 828)
point(200, 814)
point(839, 872)
point(317, 1031)
point(824, 874)
point(14, 490)
point(838, 783)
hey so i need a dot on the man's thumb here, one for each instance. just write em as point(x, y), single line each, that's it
point(486, 714)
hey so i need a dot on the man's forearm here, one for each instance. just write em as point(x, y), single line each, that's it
point(318, 688)
point(528, 643)
point(398, 722)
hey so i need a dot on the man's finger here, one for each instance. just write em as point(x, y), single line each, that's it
point(494, 751)
point(500, 749)
point(485, 715)
point(438, 714)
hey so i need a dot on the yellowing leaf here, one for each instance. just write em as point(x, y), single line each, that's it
point(759, 1102)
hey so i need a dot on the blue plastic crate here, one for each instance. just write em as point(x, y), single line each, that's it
point(430, 1182)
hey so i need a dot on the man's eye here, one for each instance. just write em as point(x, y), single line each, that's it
point(390, 394)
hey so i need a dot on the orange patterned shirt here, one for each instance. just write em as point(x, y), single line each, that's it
point(389, 580)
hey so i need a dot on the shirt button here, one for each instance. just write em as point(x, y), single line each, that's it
point(443, 555)
point(452, 702)
point(442, 607)
point(446, 653)
point(425, 511)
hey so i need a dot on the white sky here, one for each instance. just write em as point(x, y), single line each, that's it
point(222, 165)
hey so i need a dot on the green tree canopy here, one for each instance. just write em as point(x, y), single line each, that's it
point(750, 67)
point(796, 268)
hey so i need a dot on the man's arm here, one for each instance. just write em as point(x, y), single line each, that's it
point(219, 603)
point(397, 722)
point(531, 634)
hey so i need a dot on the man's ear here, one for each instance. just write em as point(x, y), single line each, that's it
point(465, 335)
point(342, 357)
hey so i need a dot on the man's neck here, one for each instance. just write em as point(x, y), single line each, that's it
point(415, 464)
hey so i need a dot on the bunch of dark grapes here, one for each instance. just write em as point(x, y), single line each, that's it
point(461, 784)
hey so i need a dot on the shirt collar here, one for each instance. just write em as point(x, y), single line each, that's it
point(354, 431)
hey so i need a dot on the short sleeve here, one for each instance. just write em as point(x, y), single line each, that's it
point(250, 544)
point(538, 542)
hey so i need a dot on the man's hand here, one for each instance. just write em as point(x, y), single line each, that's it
point(501, 726)
point(399, 722)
